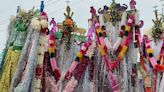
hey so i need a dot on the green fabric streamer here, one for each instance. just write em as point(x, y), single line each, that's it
point(17, 47)
point(20, 25)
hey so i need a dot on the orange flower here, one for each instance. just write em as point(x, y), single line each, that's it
point(68, 22)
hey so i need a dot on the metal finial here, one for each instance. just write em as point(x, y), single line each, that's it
point(155, 7)
point(68, 1)
point(42, 6)
point(18, 9)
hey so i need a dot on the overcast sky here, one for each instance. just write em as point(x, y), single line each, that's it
point(56, 8)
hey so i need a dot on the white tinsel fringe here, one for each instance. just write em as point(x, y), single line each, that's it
point(44, 23)
point(137, 20)
point(37, 23)
point(124, 18)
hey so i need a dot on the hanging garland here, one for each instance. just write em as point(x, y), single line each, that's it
point(157, 29)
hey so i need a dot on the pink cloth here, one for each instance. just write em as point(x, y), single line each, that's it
point(97, 25)
point(52, 22)
point(130, 20)
point(102, 41)
point(73, 66)
point(153, 62)
point(53, 64)
point(114, 82)
point(90, 32)
point(83, 48)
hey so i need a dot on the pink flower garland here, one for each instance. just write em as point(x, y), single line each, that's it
point(77, 60)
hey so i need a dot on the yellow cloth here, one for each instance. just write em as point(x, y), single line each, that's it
point(149, 51)
point(52, 50)
point(80, 55)
point(9, 68)
point(99, 30)
point(124, 49)
point(121, 55)
point(127, 28)
point(102, 51)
